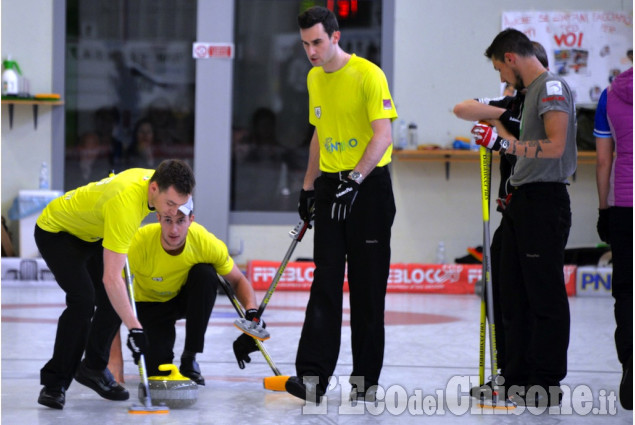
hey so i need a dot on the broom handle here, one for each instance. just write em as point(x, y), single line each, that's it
point(486, 171)
point(232, 298)
point(297, 233)
point(142, 360)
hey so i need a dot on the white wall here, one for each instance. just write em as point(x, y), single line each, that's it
point(27, 29)
point(439, 55)
point(438, 62)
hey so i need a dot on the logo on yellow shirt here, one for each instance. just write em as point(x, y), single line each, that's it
point(318, 111)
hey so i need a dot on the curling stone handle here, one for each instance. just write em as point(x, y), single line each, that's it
point(174, 375)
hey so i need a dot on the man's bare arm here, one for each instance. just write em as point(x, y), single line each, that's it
point(556, 126)
point(116, 288)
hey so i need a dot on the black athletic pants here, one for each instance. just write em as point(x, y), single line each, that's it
point(194, 304)
point(89, 322)
point(362, 241)
point(535, 230)
point(495, 252)
point(621, 233)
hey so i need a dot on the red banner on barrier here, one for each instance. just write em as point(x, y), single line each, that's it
point(434, 278)
point(570, 273)
point(297, 276)
point(405, 278)
point(409, 278)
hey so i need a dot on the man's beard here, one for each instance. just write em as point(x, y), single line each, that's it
point(518, 83)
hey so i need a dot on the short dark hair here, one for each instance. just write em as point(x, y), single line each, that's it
point(541, 54)
point(176, 173)
point(510, 40)
point(319, 15)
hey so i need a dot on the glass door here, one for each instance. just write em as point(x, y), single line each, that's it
point(270, 118)
point(129, 85)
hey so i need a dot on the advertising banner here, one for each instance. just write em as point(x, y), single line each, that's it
point(594, 281)
point(405, 278)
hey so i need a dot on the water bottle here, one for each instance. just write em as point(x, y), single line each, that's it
point(44, 177)
point(402, 136)
point(283, 180)
point(441, 253)
point(413, 139)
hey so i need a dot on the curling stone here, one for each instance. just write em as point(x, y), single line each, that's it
point(175, 390)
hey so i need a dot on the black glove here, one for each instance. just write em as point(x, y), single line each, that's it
point(344, 197)
point(305, 204)
point(251, 315)
point(603, 225)
point(244, 345)
point(137, 342)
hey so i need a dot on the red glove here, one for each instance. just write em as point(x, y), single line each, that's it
point(487, 136)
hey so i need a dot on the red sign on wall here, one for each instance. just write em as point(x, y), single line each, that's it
point(213, 50)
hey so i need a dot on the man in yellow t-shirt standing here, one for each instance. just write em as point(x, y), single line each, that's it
point(84, 236)
point(347, 187)
point(175, 264)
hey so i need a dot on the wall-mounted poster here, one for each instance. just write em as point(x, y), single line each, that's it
point(588, 48)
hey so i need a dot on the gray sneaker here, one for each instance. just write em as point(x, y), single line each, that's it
point(485, 391)
point(537, 396)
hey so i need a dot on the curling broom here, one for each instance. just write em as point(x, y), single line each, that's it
point(273, 383)
point(147, 407)
point(252, 327)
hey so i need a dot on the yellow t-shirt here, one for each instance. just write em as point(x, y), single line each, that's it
point(111, 209)
point(342, 105)
point(159, 276)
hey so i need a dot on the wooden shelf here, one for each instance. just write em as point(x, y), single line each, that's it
point(35, 103)
point(437, 155)
point(458, 155)
point(30, 101)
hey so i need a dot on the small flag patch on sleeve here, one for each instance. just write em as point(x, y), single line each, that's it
point(387, 104)
point(554, 87)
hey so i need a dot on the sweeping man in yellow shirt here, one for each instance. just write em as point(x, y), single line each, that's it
point(84, 236)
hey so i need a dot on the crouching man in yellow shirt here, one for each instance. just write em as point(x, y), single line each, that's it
point(175, 264)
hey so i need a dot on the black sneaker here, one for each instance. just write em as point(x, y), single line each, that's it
point(102, 382)
point(311, 391)
point(191, 369)
point(368, 396)
point(626, 385)
point(53, 397)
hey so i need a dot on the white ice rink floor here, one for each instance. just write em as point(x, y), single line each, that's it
point(431, 354)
